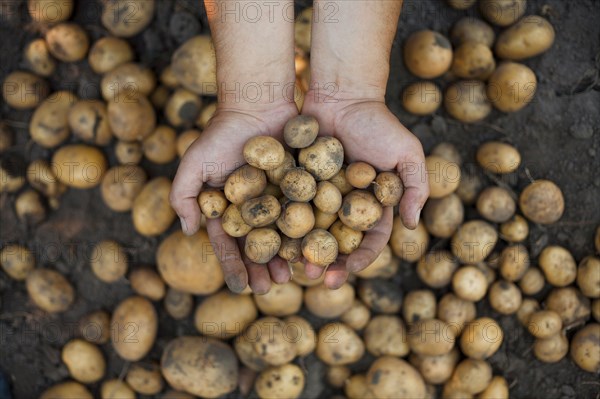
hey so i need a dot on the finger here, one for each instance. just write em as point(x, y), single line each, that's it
point(373, 243)
point(227, 250)
point(312, 271)
point(184, 192)
point(416, 189)
point(336, 274)
point(279, 270)
point(258, 274)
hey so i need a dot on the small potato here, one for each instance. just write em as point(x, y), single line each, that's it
point(49, 125)
point(455, 311)
point(383, 265)
point(360, 174)
point(134, 315)
point(511, 87)
point(390, 377)
point(381, 296)
point(431, 337)
point(95, 327)
point(418, 305)
point(275, 176)
point(84, 361)
point(160, 146)
point(514, 262)
point(109, 52)
point(544, 324)
point(348, 239)
point(514, 229)
point(127, 18)
point(570, 304)
point(436, 369)
point(481, 338)
point(338, 375)
point(108, 261)
point(497, 389)
point(467, 100)
point(194, 65)
point(261, 211)
point(145, 378)
point(183, 108)
point(328, 198)
point(528, 307)
point(585, 348)
point(128, 81)
point(262, 245)
point(473, 241)
point(281, 382)
point(233, 223)
point(116, 389)
point(427, 54)
point(121, 185)
point(68, 42)
point(532, 281)
point(88, 120)
point(471, 29)
point(469, 187)
point(323, 220)
point(29, 207)
point(502, 12)
point(320, 247)
point(167, 78)
point(302, 334)
point(290, 249)
point(298, 185)
point(357, 316)
point(588, 276)
point(264, 152)
point(407, 244)
point(151, 212)
point(224, 315)
point(388, 188)
point(17, 261)
point(356, 387)
point(461, 4)
point(552, 349)
point(213, 203)
point(436, 268)
point(448, 151)
point(497, 157)
point(245, 183)
point(346, 347)
point(442, 216)
point(542, 202)
point(38, 58)
point(469, 283)
point(270, 341)
point(444, 176)
point(558, 266)
point(323, 159)
point(49, 290)
point(69, 389)
point(326, 303)
point(23, 90)
point(360, 210)
point(178, 304)
point(301, 131)
point(131, 118)
point(422, 98)
point(473, 61)
point(505, 297)
point(185, 140)
point(128, 152)
point(385, 335)
point(146, 282)
point(472, 375)
point(281, 300)
point(341, 182)
point(529, 37)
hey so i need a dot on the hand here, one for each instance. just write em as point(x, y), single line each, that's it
point(208, 161)
point(371, 133)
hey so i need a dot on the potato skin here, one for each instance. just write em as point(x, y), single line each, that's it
point(88, 120)
point(407, 244)
point(442, 216)
point(49, 124)
point(431, 337)
point(286, 381)
point(224, 314)
point(68, 389)
point(588, 276)
point(213, 203)
point(572, 306)
point(328, 198)
point(17, 261)
point(152, 213)
point(233, 223)
point(348, 239)
point(160, 146)
point(390, 377)
point(298, 185)
point(38, 58)
point(360, 210)
point(194, 65)
point(323, 159)
point(119, 21)
point(245, 183)
point(128, 152)
point(129, 81)
point(326, 303)
point(262, 245)
point(496, 204)
point(436, 268)
point(301, 131)
point(473, 61)
point(24, 90)
point(109, 52)
point(444, 176)
point(467, 101)
point(146, 282)
point(421, 98)
point(471, 29)
point(481, 338)
point(108, 261)
point(542, 202)
point(511, 87)
point(120, 186)
point(388, 188)
point(346, 348)
point(84, 360)
point(264, 152)
point(497, 157)
point(49, 290)
point(134, 323)
point(296, 219)
point(320, 247)
point(276, 175)
point(360, 174)
point(558, 265)
point(68, 42)
point(529, 37)
point(585, 348)
point(386, 335)
point(551, 349)
point(474, 231)
point(502, 12)
point(427, 54)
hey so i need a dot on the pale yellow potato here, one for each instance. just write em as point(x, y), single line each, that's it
point(419, 305)
point(473, 241)
point(129, 81)
point(206, 114)
point(498, 157)
point(328, 198)
point(502, 12)
point(67, 42)
point(511, 87)
point(49, 290)
point(296, 220)
point(472, 375)
point(290, 249)
point(109, 52)
point(436, 369)
point(49, 125)
point(212, 203)
point(185, 140)
point(68, 389)
point(145, 378)
point(178, 304)
point(471, 29)
point(421, 98)
point(120, 186)
point(270, 340)
point(301, 333)
point(280, 382)
point(585, 348)
point(17, 261)
point(116, 389)
point(473, 61)
point(323, 159)
point(528, 307)
point(337, 376)
point(497, 389)
point(388, 188)
point(323, 220)
point(183, 108)
point(407, 244)
point(357, 316)
point(346, 348)
point(514, 262)
point(133, 317)
point(505, 297)
point(455, 311)
point(431, 337)
point(469, 283)
point(385, 335)
point(360, 174)
point(542, 202)
point(588, 276)
point(444, 176)
point(532, 281)
point(281, 300)
point(436, 268)
point(427, 54)
point(128, 152)
point(84, 361)
point(481, 338)
point(194, 65)
point(151, 213)
point(38, 59)
point(50, 11)
point(301, 131)
point(544, 324)
point(381, 296)
point(390, 377)
point(224, 314)
point(131, 116)
point(348, 239)
point(552, 349)
point(442, 216)
point(572, 306)
point(29, 207)
point(160, 146)
point(233, 223)
point(24, 90)
point(467, 100)
point(88, 120)
point(383, 266)
point(360, 210)
point(515, 229)
point(245, 183)
point(326, 303)
point(469, 187)
point(95, 327)
point(298, 185)
point(320, 247)
point(108, 261)
point(262, 245)
point(341, 182)
point(531, 36)
point(558, 265)
point(146, 282)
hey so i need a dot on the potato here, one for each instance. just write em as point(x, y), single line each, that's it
point(301, 333)
point(442, 216)
point(159, 97)
point(469, 187)
point(127, 18)
point(472, 375)
point(302, 29)
point(323, 220)
point(146, 282)
point(467, 101)
point(275, 176)
point(121, 185)
point(502, 12)
point(588, 276)
point(431, 337)
point(436, 268)
point(183, 108)
point(469, 283)
point(285, 382)
point(339, 345)
point(84, 361)
point(497, 157)
point(356, 387)
point(134, 317)
point(49, 124)
point(529, 37)
point(505, 297)
point(473, 241)
point(244, 183)
point(145, 378)
point(281, 300)
point(570, 304)
point(427, 54)
point(224, 315)
point(481, 338)
point(461, 4)
point(298, 185)
point(514, 262)
point(418, 305)
point(264, 152)
point(532, 281)
point(383, 265)
point(38, 58)
point(68, 389)
point(95, 327)
point(514, 229)
point(544, 324)
point(213, 203)
point(178, 304)
point(262, 245)
point(160, 146)
point(271, 342)
point(388, 188)
point(421, 98)
point(17, 261)
point(301, 131)
point(233, 223)
point(323, 159)
point(23, 90)
point(206, 114)
point(511, 87)
point(528, 307)
point(328, 198)
point(360, 210)
point(88, 120)
point(542, 202)
point(341, 182)
point(357, 316)
point(194, 65)
point(444, 176)
point(29, 207)
point(348, 240)
point(337, 376)
point(360, 174)
point(49, 290)
point(585, 348)
point(128, 81)
point(290, 248)
point(185, 140)
point(436, 369)
point(558, 266)
point(168, 78)
point(488, 272)
point(326, 303)
point(497, 389)
point(381, 296)
point(385, 335)
point(108, 261)
point(128, 152)
point(50, 11)
point(552, 349)
point(200, 366)
point(151, 212)
point(320, 247)
point(473, 60)
point(390, 377)
point(131, 118)
point(471, 29)
point(109, 52)
point(67, 42)
point(596, 309)
point(116, 389)
point(189, 263)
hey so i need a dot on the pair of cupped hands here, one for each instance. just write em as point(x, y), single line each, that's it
point(368, 131)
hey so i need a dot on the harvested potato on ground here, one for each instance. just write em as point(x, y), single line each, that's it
point(381, 296)
point(134, 325)
point(127, 18)
point(49, 290)
point(233, 223)
point(128, 152)
point(301, 131)
point(29, 207)
point(514, 262)
point(88, 120)
point(326, 303)
point(542, 202)
point(159, 97)
point(360, 174)
point(270, 342)
point(558, 265)
point(552, 349)
point(529, 37)
point(281, 300)
point(431, 337)
point(146, 282)
point(341, 182)
point(301, 333)
point(471, 29)
point(183, 108)
point(497, 157)
point(323, 159)
point(109, 52)
point(160, 146)
point(189, 263)
point(422, 98)
point(185, 140)
point(38, 59)
point(385, 335)
point(390, 377)
point(24, 90)
point(131, 118)
point(194, 65)
point(328, 198)
point(444, 176)
point(145, 378)
point(514, 229)
point(348, 239)
point(151, 212)
point(481, 338)
point(511, 87)
point(224, 315)
point(497, 389)
point(245, 183)
point(467, 101)
point(84, 361)
point(201, 366)
point(472, 376)
point(17, 261)
point(213, 203)
point(588, 276)
point(116, 389)
point(108, 261)
point(585, 348)
point(496, 204)
point(469, 283)
point(532, 281)
point(50, 11)
point(290, 249)
point(436, 369)
point(67, 42)
point(427, 54)
point(281, 382)
point(474, 241)
point(298, 185)
point(544, 324)
point(408, 244)
point(360, 210)
point(338, 375)
point(436, 268)
point(357, 316)
point(473, 61)
point(442, 216)
point(570, 304)
point(49, 125)
point(95, 327)
point(320, 247)
point(128, 82)
point(383, 265)
point(388, 188)
point(356, 387)
point(120, 186)
point(418, 305)
point(262, 245)
point(264, 152)
point(528, 307)
point(469, 187)
point(502, 12)
point(68, 389)
point(178, 304)
point(505, 297)
point(338, 345)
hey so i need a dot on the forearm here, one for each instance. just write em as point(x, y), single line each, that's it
point(255, 52)
point(351, 44)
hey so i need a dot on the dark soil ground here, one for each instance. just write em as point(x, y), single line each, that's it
point(558, 136)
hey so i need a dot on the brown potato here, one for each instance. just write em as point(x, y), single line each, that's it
point(427, 54)
point(552, 349)
point(24, 90)
point(116, 389)
point(348, 239)
point(339, 345)
point(471, 29)
point(49, 290)
point(497, 389)
point(408, 244)
point(120, 186)
point(185, 140)
point(570, 304)
point(183, 108)
point(281, 300)
point(542, 202)
point(262, 245)
point(109, 52)
point(282, 382)
point(50, 11)
point(498, 157)
point(337, 376)
point(49, 125)
point(206, 114)
point(128, 152)
point(514, 229)
point(511, 87)
point(385, 335)
point(514, 262)
point(301, 131)
point(341, 182)
point(275, 176)
point(160, 146)
point(194, 65)
point(146, 282)
point(213, 203)
point(151, 212)
point(473, 61)
point(390, 377)
point(421, 98)
point(558, 266)
point(585, 348)
point(108, 261)
point(298, 185)
point(442, 216)
point(127, 18)
point(178, 304)
point(388, 188)
point(84, 361)
point(532, 281)
point(360, 174)
point(467, 100)
point(224, 315)
point(444, 176)
point(502, 12)
point(269, 337)
point(544, 324)
point(296, 219)
point(326, 303)
point(38, 59)
point(320, 247)
point(588, 276)
point(88, 120)
point(419, 305)
point(473, 241)
point(436, 268)
point(448, 151)
point(469, 283)
point(131, 118)
point(67, 42)
point(360, 210)
point(357, 316)
point(505, 297)
point(472, 376)
point(95, 327)
point(481, 338)
point(323, 159)
point(68, 389)
point(431, 337)
point(328, 198)
point(17, 261)
point(436, 369)
point(145, 378)
point(134, 325)
point(245, 183)
point(529, 37)
point(381, 296)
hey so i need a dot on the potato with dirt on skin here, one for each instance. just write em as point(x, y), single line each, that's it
point(224, 314)
point(558, 265)
point(134, 315)
point(68, 389)
point(298, 185)
point(514, 229)
point(320, 248)
point(339, 345)
point(431, 337)
point(49, 290)
point(502, 12)
point(281, 300)
point(233, 223)
point(498, 157)
point(182, 108)
point(145, 378)
point(421, 98)
point(88, 120)
point(544, 324)
point(261, 211)
point(108, 261)
point(327, 198)
point(385, 335)
point(456, 311)
point(323, 159)
point(301, 131)
point(356, 387)
point(84, 361)
point(427, 54)
point(390, 377)
point(262, 245)
point(348, 239)
point(159, 97)
point(585, 348)
point(505, 297)
point(514, 262)
point(302, 333)
point(146, 282)
point(160, 146)
point(185, 140)
point(471, 29)
point(436, 268)
point(469, 187)
point(469, 283)
point(264, 152)
point(17, 261)
point(511, 87)
point(360, 174)
point(496, 204)
point(418, 305)
point(496, 389)
point(435, 369)
point(49, 125)
point(357, 316)
point(551, 349)
point(116, 389)
point(572, 306)
point(529, 37)
point(212, 203)
point(326, 303)
point(481, 338)
point(127, 18)
point(388, 188)
point(244, 183)
point(588, 276)
point(360, 210)
point(290, 249)
point(474, 241)
point(109, 52)
point(29, 207)
point(120, 186)
point(473, 61)
point(532, 282)
point(467, 101)
point(472, 375)
point(178, 304)
point(151, 212)
point(270, 342)
point(528, 307)
point(131, 118)
point(275, 176)
point(50, 11)
point(442, 216)
point(542, 202)
point(38, 59)
point(194, 65)
point(95, 327)
point(341, 182)
point(67, 42)
point(338, 375)
point(24, 90)
point(128, 152)
point(280, 382)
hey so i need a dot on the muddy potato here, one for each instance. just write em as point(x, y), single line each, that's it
point(151, 212)
point(17, 261)
point(88, 120)
point(472, 375)
point(388, 188)
point(95, 327)
point(233, 223)
point(360, 210)
point(213, 203)
point(514, 262)
point(120, 186)
point(68, 389)
point(431, 337)
point(245, 183)
point(301, 131)
point(348, 239)
point(131, 118)
point(323, 159)
point(357, 316)
point(381, 296)
point(558, 266)
point(281, 300)
point(497, 157)
point(473, 61)
point(511, 87)
point(528, 307)
point(178, 304)
point(49, 125)
point(183, 108)
point(128, 152)
point(262, 245)
point(436, 369)
point(585, 348)
point(320, 247)
point(421, 98)
point(133, 313)
point(502, 12)
point(360, 174)
point(469, 187)
point(544, 324)
point(189, 263)
point(49, 290)
point(67, 42)
point(185, 140)
point(514, 229)
point(200, 366)
point(280, 382)
point(572, 306)
point(338, 375)
point(270, 340)
point(532, 281)
point(302, 334)
point(24, 90)
point(108, 261)
point(326, 303)
point(469, 283)
point(529, 37)
point(356, 387)
point(160, 146)
point(442, 216)
point(551, 349)
point(474, 241)
point(145, 378)
point(146, 282)
point(542, 202)
point(194, 65)
point(345, 348)
point(471, 29)
point(29, 207)
point(427, 54)
point(418, 305)
point(127, 18)
point(385, 335)
point(275, 176)
point(38, 58)
point(505, 297)
point(341, 182)
point(467, 101)
point(224, 315)
point(481, 338)
point(328, 198)
point(436, 268)
point(107, 53)
point(390, 377)
point(298, 185)
point(588, 276)
point(264, 152)
point(323, 220)
point(383, 265)
point(455, 311)
point(290, 249)
point(84, 361)
point(497, 389)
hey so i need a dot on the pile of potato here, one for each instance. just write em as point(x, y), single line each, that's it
point(375, 340)
point(482, 71)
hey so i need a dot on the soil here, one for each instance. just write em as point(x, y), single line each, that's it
point(558, 136)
